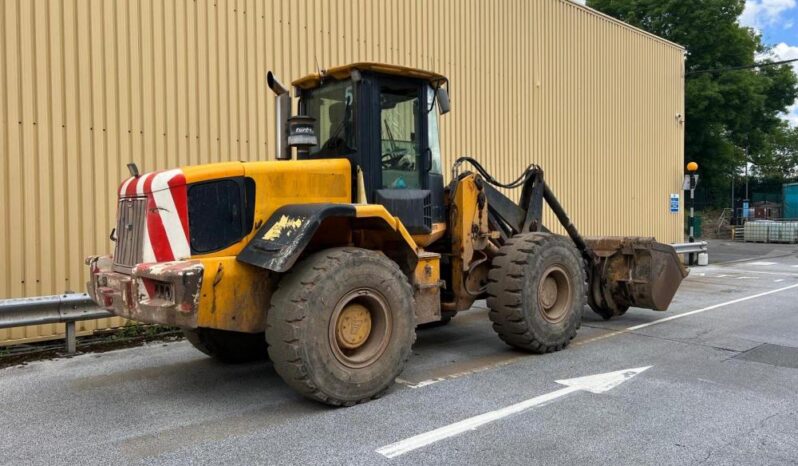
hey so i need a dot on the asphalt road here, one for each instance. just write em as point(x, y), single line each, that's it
point(722, 388)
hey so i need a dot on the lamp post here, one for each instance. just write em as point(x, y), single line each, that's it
point(691, 182)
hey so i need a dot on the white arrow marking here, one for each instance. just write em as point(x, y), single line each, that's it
point(598, 383)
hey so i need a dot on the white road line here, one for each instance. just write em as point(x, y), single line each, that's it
point(423, 383)
point(758, 272)
point(599, 383)
point(778, 280)
point(409, 444)
point(622, 331)
point(709, 308)
point(762, 264)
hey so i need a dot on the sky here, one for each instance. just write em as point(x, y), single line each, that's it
point(777, 21)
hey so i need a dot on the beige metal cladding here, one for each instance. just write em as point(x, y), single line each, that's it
point(88, 85)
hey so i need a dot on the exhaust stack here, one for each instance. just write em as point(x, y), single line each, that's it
point(282, 106)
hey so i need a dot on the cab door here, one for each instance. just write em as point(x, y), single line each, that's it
point(399, 151)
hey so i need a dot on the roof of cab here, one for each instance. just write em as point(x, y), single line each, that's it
point(314, 80)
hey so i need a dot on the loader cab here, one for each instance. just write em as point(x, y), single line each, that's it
point(386, 123)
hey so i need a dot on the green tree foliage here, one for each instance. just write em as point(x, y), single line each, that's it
point(728, 112)
point(779, 159)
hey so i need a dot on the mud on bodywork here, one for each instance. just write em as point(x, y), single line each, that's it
point(162, 293)
point(280, 242)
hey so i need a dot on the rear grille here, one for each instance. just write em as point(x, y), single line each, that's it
point(131, 217)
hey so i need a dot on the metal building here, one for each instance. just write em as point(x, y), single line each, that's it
point(86, 86)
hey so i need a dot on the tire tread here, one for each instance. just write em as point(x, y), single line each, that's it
point(298, 287)
point(505, 282)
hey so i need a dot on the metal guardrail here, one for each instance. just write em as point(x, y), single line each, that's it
point(690, 248)
point(65, 308)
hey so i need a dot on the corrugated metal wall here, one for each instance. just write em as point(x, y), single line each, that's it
point(88, 85)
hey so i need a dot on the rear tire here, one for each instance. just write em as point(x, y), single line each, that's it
point(227, 346)
point(536, 292)
point(341, 325)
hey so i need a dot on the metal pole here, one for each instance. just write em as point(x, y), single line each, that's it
point(746, 171)
point(691, 257)
point(732, 200)
point(71, 344)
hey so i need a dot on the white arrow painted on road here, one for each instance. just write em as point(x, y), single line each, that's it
point(598, 383)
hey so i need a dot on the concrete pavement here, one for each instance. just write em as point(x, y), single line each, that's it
point(722, 389)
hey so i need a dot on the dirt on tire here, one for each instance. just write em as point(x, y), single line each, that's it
point(514, 285)
point(298, 325)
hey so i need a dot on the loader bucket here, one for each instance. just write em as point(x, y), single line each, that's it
point(632, 272)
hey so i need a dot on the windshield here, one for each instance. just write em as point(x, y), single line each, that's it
point(333, 108)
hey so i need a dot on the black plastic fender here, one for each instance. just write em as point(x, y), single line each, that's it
point(282, 239)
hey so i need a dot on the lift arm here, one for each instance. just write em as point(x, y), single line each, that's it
point(622, 272)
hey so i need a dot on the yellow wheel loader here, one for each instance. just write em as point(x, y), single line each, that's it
point(329, 257)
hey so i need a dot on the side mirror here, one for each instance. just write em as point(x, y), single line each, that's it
point(443, 101)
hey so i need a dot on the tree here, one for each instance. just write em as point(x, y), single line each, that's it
point(729, 113)
point(779, 159)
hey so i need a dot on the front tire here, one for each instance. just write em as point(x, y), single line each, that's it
point(341, 325)
point(537, 291)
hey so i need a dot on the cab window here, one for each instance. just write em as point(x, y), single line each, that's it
point(332, 106)
point(399, 144)
point(433, 135)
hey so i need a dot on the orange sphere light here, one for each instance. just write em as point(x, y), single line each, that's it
point(692, 167)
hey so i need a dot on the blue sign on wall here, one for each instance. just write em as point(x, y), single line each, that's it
point(674, 203)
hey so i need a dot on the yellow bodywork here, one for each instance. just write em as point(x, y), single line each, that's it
point(278, 184)
point(427, 281)
point(314, 80)
point(470, 236)
point(378, 211)
point(234, 295)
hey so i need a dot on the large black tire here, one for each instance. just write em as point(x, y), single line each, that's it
point(312, 347)
point(227, 346)
point(536, 292)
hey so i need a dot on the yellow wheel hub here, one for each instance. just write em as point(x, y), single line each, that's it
point(353, 327)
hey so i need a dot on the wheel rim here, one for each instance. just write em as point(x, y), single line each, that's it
point(360, 328)
point(554, 294)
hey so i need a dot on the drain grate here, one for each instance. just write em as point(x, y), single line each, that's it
point(775, 355)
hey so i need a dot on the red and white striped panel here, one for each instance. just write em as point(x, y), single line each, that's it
point(166, 235)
